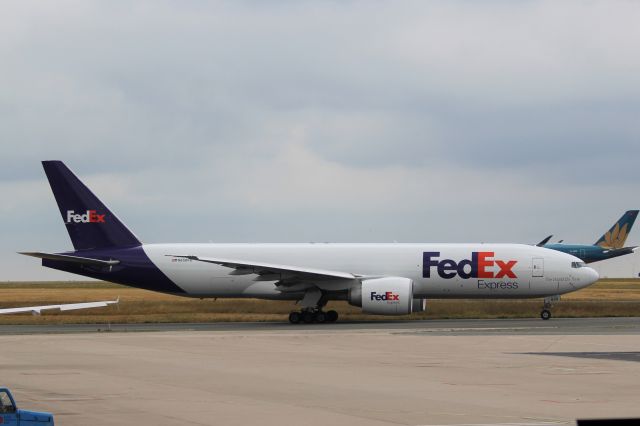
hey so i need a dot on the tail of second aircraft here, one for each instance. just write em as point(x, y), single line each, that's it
point(90, 224)
point(616, 237)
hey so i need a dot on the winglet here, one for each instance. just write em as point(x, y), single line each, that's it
point(545, 241)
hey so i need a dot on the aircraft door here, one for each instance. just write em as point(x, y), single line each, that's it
point(537, 267)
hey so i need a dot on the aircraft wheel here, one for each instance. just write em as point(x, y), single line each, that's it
point(320, 317)
point(294, 317)
point(307, 317)
point(545, 314)
point(332, 316)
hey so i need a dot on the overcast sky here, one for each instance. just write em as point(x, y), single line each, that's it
point(344, 121)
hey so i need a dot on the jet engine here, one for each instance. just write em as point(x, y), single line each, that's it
point(386, 296)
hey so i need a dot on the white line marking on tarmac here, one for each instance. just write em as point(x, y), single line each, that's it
point(484, 329)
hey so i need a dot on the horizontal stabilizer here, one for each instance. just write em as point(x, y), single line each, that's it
point(37, 310)
point(74, 259)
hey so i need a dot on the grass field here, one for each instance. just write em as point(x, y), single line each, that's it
point(605, 298)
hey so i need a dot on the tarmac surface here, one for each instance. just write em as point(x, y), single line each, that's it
point(436, 327)
point(488, 372)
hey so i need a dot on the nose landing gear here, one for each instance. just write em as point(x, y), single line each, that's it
point(545, 314)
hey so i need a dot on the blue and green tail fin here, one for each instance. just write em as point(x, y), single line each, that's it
point(616, 237)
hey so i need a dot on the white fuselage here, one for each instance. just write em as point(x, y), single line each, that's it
point(495, 271)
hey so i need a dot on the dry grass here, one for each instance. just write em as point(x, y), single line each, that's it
point(606, 298)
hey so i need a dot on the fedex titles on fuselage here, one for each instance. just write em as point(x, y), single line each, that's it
point(482, 266)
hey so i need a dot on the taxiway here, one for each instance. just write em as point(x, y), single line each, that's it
point(409, 373)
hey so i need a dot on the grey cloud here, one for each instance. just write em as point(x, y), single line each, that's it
point(342, 121)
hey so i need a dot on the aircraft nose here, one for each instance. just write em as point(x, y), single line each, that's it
point(592, 275)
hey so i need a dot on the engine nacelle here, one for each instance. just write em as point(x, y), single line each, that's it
point(386, 296)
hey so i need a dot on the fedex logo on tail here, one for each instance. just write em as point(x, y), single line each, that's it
point(389, 296)
point(481, 265)
point(90, 216)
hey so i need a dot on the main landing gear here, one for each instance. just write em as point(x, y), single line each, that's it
point(545, 314)
point(310, 316)
point(311, 312)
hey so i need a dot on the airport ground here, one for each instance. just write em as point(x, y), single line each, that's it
point(149, 362)
point(431, 372)
point(604, 299)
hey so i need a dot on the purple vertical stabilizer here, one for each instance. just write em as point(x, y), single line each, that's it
point(90, 224)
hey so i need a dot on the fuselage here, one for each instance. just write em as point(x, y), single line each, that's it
point(437, 270)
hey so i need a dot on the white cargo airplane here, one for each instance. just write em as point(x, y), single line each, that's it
point(383, 279)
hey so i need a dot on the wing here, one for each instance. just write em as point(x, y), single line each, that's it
point(37, 310)
point(284, 274)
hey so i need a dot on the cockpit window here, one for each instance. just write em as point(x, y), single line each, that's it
point(578, 264)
